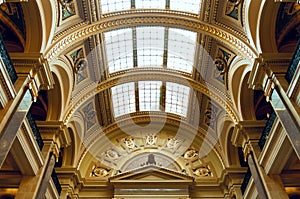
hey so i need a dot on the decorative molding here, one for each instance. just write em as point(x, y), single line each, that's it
point(161, 74)
point(38, 69)
point(56, 132)
point(128, 20)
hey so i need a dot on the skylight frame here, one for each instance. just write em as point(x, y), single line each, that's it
point(119, 49)
point(153, 96)
point(167, 47)
point(111, 6)
point(150, 52)
point(177, 98)
point(150, 95)
point(142, 4)
point(123, 99)
point(108, 6)
point(181, 49)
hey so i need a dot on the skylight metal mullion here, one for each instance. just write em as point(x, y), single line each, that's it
point(134, 43)
point(199, 47)
point(104, 73)
point(167, 4)
point(166, 39)
point(137, 96)
point(162, 102)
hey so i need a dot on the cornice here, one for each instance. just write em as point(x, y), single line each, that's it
point(151, 74)
point(83, 31)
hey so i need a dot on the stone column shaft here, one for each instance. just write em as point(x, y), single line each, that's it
point(9, 134)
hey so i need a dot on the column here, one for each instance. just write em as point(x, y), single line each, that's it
point(33, 75)
point(247, 135)
point(55, 136)
point(8, 135)
point(268, 74)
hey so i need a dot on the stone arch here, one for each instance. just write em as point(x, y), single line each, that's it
point(259, 28)
point(246, 106)
point(55, 100)
point(238, 80)
point(37, 40)
point(63, 85)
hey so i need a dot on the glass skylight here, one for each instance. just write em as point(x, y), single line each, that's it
point(119, 49)
point(158, 4)
point(114, 5)
point(177, 97)
point(181, 49)
point(123, 99)
point(192, 6)
point(150, 46)
point(149, 95)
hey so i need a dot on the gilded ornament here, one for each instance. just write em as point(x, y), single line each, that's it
point(172, 143)
point(129, 142)
point(99, 172)
point(202, 172)
point(189, 154)
point(151, 140)
point(112, 154)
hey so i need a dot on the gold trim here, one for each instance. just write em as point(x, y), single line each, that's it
point(67, 40)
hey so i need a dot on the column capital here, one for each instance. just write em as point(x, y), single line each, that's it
point(265, 66)
point(247, 130)
point(55, 132)
point(37, 68)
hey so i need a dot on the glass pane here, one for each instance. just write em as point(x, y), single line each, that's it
point(177, 97)
point(149, 95)
point(181, 49)
point(123, 99)
point(119, 49)
point(159, 4)
point(114, 5)
point(150, 46)
point(192, 6)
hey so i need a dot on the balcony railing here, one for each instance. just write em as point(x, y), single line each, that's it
point(56, 181)
point(35, 131)
point(266, 131)
point(293, 65)
point(7, 61)
point(246, 181)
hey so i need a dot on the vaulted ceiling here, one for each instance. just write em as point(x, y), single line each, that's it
point(140, 77)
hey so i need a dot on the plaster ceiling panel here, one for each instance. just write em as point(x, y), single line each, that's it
point(228, 14)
